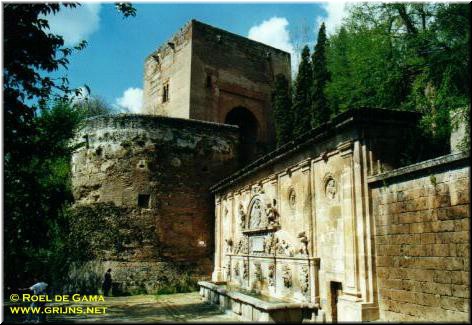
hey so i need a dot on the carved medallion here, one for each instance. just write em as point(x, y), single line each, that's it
point(330, 188)
point(292, 198)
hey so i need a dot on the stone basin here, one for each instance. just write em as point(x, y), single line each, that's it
point(252, 306)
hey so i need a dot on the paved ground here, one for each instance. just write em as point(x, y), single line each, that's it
point(181, 307)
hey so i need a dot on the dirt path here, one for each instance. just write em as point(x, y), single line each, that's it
point(182, 307)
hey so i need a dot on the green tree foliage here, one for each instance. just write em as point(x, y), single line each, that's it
point(302, 98)
point(363, 69)
point(36, 159)
point(282, 108)
point(403, 56)
point(320, 111)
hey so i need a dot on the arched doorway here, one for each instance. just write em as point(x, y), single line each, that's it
point(249, 128)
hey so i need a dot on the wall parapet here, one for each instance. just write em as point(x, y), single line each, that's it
point(140, 120)
point(422, 167)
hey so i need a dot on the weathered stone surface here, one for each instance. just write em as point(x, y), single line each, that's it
point(210, 72)
point(317, 250)
point(155, 173)
point(423, 248)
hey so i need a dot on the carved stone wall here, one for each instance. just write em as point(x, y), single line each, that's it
point(299, 218)
point(158, 171)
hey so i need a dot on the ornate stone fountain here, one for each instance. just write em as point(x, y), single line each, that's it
point(267, 272)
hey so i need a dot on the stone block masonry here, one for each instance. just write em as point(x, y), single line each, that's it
point(147, 178)
point(422, 241)
point(210, 74)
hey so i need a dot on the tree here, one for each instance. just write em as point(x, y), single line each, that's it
point(302, 98)
point(404, 56)
point(35, 158)
point(320, 110)
point(282, 108)
point(94, 106)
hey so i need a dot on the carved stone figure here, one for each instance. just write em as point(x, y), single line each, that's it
point(304, 243)
point(270, 244)
point(271, 274)
point(236, 268)
point(242, 247)
point(255, 216)
point(283, 248)
point(242, 217)
point(287, 276)
point(304, 280)
point(245, 270)
point(228, 268)
point(237, 247)
point(258, 271)
point(229, 245)
point(272, 215)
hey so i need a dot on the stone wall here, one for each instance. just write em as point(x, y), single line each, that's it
point(210, 72)
point(241, 74)
point(154, 174)
point(169, 66)
point(422, 241)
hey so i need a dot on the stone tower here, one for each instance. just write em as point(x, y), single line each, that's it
point(142, 181)
point(205, 73)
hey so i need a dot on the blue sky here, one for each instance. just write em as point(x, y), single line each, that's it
point(112, 63)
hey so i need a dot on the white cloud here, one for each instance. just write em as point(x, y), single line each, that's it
point(336, 11)
point(132, 100)
point(75, 24)
point(274, 32)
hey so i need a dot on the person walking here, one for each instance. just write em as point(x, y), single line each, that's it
point(106, 286)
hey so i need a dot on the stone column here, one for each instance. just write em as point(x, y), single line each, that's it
point(217, 275)
point(350, 285)
point(354, 301)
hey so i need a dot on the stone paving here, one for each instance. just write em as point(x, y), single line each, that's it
point(181, 307)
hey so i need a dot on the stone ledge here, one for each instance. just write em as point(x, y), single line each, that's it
point(261, 230)
point(316, 260)
point(277, 304)
point(424, 166)
point(141, 119)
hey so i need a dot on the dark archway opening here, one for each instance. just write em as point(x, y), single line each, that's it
point(248, 127)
